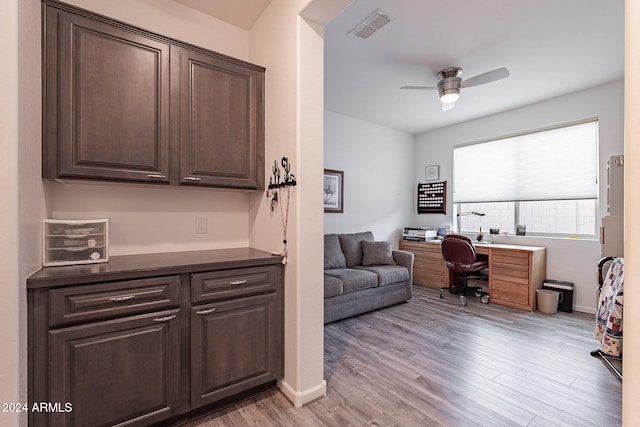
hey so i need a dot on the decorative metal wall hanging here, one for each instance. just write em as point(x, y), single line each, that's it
point(279, 194)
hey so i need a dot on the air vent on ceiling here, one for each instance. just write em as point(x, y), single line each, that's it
point(371, 24)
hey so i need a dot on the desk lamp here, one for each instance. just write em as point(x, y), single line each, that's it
point(465, 214)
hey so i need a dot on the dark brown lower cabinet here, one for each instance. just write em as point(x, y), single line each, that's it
point(122, 371)
point(232, 347)
point(136, 342)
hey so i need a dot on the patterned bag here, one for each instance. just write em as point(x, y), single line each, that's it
point(609, 315)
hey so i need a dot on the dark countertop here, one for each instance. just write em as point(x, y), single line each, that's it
point(125, 267)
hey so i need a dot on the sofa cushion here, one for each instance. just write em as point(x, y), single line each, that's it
point(353, 279)
point(333, 256)
point(377, 253)
point(352, 246)
point(332, 286)
point(387, 273)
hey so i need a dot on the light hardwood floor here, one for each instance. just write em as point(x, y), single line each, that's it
point(433, 362)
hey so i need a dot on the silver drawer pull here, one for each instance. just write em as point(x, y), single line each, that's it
point(122, 298)
point(156, 176)
point(164, 319)
point(238, 282)
point(192, 179)
point(207, 311)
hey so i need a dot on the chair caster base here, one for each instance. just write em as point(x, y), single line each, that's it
point(485, 299)
point(463, 300)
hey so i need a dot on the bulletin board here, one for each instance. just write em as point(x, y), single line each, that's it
point(432, 197)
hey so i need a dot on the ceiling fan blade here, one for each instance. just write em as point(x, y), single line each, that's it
point(488, 77)
point(449, 106)
point(419, 87)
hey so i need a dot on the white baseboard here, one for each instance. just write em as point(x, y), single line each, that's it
point(301, 398)
point(582, 309)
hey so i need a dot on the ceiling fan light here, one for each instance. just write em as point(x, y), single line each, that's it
point(450, 96)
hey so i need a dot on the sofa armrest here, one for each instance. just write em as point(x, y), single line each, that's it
point(403, 258)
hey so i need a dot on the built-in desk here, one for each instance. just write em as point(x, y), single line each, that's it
point(515, 272)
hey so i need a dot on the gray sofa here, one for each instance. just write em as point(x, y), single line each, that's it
point(361, 275)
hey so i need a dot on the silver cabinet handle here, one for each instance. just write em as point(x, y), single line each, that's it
point(156, 176)
point(238, 282)
point(206, 311)
point(192, 179)
point(164, 319)
point(122, 298)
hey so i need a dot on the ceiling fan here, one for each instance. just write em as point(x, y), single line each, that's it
point(450, 83)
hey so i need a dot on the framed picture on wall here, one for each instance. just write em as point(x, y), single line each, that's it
point(431, 172)
point(333, 191)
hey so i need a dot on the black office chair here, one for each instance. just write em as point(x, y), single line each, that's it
point(460, 257)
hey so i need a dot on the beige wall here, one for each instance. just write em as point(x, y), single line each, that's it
point(174, 20)
point(631, 384)
point(10, 381)
point(156, 219)
point(292, 49)
point(21, 188)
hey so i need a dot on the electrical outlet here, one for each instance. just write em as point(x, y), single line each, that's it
point(201, 225)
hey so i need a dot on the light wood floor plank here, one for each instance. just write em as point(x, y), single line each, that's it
point(434, 362)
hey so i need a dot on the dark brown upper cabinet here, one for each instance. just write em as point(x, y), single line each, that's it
point(220, 122)
point(124, 104)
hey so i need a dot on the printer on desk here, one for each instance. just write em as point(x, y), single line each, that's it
point(419, 234)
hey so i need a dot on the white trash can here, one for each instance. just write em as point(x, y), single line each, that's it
point(547, 301)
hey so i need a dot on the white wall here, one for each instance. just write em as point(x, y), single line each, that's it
point(569, 260)
point(378, 177)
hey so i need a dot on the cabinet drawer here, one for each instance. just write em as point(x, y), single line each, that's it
point(510, 270)
point(91, 302)
point(430, 279)
point(217, 285)
point(509, 257)
point(517, 293)
point(433, 267)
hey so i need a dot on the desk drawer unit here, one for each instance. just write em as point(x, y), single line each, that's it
point(429, 268)
point(510, 277)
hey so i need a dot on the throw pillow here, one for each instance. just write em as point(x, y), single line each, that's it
point(351, 247)
point(377, 253)
point(333, 256)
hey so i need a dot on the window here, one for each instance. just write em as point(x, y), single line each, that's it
point(545, 180)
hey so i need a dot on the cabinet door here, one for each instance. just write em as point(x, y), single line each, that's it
point(119, 372)
point(107, 101)
point(221, 122)
point(233, 347)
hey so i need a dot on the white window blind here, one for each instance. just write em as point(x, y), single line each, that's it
point(555, 164)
